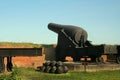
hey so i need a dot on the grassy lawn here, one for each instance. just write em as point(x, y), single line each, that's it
point(31, 74)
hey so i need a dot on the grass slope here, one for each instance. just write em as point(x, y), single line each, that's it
point(23, 45)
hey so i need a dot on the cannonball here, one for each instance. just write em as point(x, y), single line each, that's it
point(59, 70)
point(47, 63)
point(53, 69)
point(47, 69)
point(52, 63)
point(43, 68)
point(59, 63)
point(65, 69)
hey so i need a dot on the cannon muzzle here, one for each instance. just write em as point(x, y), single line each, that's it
point(55, 27)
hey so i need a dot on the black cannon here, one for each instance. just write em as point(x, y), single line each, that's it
point(69, 35)
point(72, 41)
point(69, 39)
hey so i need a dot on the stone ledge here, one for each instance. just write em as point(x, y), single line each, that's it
point(76, 66)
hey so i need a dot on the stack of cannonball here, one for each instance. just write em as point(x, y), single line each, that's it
point(54, 67)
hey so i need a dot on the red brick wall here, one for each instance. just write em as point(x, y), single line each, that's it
point(27, 61)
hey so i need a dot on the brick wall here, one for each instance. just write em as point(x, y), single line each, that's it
point(27, 61)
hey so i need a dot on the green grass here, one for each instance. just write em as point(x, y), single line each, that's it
point(31, 74)
point(24, 45)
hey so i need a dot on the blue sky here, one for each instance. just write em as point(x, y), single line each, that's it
point(27, 20)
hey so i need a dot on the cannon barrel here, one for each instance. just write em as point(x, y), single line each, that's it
point(77, 34)
point(68, 28)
